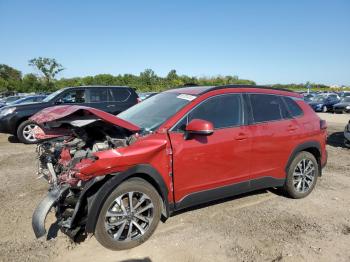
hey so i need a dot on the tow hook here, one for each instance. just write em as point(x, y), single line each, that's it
point(41, 211)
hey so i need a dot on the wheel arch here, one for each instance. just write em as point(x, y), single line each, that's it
point(313, 147)
point(143, 171)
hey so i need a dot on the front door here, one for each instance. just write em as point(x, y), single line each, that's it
point(203, 163)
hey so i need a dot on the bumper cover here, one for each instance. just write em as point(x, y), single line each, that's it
point(41, 211)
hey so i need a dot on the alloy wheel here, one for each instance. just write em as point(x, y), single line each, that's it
point(129, 216)
point(28, 132)
point(304, 175)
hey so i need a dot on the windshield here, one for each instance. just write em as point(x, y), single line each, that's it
point(54, 94)
point(319, 99)
point(153, 112)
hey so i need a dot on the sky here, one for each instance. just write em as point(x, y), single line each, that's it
point(270, 41)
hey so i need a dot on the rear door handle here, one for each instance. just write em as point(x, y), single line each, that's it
point(292, 128)
point(241, 136)
point(111, 106)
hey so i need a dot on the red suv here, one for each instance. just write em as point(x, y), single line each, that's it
point(117, 176)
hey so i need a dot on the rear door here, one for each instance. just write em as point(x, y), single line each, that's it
point(207, 162)
point(98, 98)
point(274, 133)
point(120, 99)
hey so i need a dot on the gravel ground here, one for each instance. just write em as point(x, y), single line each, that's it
point(262, 226)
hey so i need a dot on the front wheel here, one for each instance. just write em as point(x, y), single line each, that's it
point(25, 132)
point(129, 216)
point(302, 175)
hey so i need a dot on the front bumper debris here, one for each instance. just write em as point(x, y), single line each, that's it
point(41, 211)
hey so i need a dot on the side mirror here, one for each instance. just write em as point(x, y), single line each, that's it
point(199, 127)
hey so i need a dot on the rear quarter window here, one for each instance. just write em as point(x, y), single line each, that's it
point(293, 107)
point(119, 94)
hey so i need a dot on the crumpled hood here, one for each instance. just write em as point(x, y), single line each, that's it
point(59, 112)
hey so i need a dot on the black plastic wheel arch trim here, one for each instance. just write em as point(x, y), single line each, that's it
point(303, 147)
point(146, 170)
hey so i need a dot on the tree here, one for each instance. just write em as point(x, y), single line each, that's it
point(9, 73)
point(49, 67)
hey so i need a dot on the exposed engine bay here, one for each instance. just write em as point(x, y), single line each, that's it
point(57, 157)
point(68, 144)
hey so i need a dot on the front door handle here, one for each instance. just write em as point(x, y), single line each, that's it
point(111, 106)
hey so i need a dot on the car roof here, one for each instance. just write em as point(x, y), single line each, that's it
point(199, 90)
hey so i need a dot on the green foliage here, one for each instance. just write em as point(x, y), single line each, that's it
point(148, 80)
point(49, 67)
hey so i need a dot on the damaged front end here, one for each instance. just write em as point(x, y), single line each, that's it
point(70, 138)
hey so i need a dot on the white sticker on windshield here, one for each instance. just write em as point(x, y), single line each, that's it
point(186, 97)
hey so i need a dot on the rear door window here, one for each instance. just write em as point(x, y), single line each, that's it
point(98, 95)
point(268, 108)
point(119, 94)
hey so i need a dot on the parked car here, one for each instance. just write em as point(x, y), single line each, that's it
point(343, 106)
point(14, 119)
point(309, 97)
point(347, 135)
point(146, 95)
point(28, 99)
point(324, 103)
point(116, 176)
point(7, 100)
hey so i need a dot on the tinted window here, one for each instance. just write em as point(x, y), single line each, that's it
point(73, 96)
point(223, 111)
point(99, 94)
point(267, 108)
point(119, 94)
point(293, 107)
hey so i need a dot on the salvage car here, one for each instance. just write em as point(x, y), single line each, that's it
point(343, 106)
point(117, 176)
point(14, 119)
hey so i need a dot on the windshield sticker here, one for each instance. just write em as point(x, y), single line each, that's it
point(186, 97)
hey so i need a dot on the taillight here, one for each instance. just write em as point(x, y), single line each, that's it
point(323, 124)
point(139, 100)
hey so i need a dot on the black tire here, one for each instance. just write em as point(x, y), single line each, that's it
point(20, 132)
point(131, 185)
point(290, 186)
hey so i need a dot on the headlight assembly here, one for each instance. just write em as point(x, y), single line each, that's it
point(7, 111)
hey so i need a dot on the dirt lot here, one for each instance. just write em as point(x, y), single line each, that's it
point(262, 226)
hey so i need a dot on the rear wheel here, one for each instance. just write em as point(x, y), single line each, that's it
point(129, 216)
point(25, 132)
point(302, 175)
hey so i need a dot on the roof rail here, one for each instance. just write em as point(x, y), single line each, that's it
point(245, 86)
